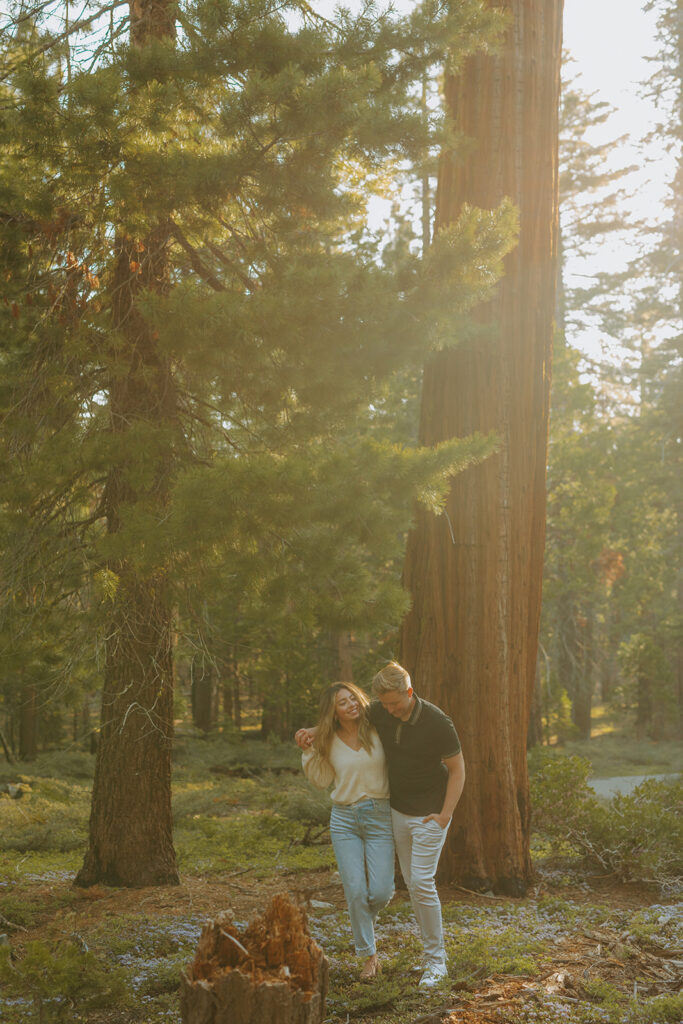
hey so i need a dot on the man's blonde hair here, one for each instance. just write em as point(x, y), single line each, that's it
point(393, 677)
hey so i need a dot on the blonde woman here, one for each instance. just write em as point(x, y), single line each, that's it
point(348, 754)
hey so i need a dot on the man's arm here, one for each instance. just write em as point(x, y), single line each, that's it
point(456, 781)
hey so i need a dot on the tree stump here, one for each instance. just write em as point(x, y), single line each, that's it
point(274, 973)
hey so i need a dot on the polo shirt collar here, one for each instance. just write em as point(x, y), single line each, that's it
point(416, 712)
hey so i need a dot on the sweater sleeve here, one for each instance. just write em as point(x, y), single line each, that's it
point(317, 770)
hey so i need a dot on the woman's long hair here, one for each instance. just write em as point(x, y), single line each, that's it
point(328, 724)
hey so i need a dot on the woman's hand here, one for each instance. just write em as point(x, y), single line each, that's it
point(304, 738)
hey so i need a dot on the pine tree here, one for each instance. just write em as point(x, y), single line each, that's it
point(581, 486)
point(187, 328)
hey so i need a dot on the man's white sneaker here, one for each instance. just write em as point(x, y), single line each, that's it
point(434, 976)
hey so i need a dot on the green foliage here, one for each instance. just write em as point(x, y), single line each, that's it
point(638, 836)
point(492, 951)
point(53, 816)
point(215, 184)
point(661, 1010)
point(59, 980)
point(263, 842)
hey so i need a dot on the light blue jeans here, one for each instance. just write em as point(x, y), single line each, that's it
point(363, 844)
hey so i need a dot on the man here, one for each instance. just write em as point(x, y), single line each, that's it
point(426, 778)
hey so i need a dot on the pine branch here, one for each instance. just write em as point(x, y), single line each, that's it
point(248, 283)
point(198, 266)
point(75, 27)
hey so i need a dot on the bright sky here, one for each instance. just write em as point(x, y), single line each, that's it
point(610, 41)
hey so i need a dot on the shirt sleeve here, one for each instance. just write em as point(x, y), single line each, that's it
point(317, 770)
point(375, 712)
point(449, 742)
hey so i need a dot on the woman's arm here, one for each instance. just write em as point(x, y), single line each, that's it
point(317, 769)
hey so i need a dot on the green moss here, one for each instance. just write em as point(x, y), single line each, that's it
point(52, 816)
point(41, 865)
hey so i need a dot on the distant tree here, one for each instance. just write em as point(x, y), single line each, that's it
point(187, 325)
point(666, 263)
point(578, 571)
point(581, 486)
point(475, 574)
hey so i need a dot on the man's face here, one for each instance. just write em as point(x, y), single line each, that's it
point(398, 703)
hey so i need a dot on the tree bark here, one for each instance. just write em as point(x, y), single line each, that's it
point(130, 835)
point(28, 724)
point(273, 973)
point(475, 574)
point(6, 749)
point(203, 693)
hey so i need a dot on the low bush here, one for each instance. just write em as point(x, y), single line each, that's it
point(635, 836)
point(61, 980)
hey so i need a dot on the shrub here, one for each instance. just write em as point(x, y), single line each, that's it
point(61, 979)
point(638, 836)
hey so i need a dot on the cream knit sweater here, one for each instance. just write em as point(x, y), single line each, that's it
point(355, 773)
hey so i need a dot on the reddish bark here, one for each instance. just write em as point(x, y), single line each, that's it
point(475, 575)
point(274, 972)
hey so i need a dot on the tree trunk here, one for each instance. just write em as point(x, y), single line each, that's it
point(345, 658)
point(582, 690)
point(643, 706)
point(203, 689)
point(6, 749)
point(131, 829)
point(470, 638)
point(272, 974)
point(535, 732)
point(28, 724)
point(236, 700)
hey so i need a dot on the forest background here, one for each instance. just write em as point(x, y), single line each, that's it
point(253, 656)
point(278, 541)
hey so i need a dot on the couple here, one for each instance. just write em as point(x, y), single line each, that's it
point(397, 767)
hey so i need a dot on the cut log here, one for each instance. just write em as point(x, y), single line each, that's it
point(272, 973)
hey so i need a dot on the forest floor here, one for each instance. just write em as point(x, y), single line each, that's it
point(580, 948)
point(592, 950)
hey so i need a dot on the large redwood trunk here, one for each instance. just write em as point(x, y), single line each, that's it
point(130, 838)
point(475, 575)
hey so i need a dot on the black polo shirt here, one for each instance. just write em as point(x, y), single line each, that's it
point(414, 752)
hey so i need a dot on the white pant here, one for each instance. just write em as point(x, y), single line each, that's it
point(419, 847)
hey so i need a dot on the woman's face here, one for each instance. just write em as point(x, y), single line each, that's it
point(346, 707)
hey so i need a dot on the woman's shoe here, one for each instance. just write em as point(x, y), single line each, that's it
point(371, 968)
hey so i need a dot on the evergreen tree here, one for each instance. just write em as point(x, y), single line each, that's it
point(188, 327)
point(581, 484)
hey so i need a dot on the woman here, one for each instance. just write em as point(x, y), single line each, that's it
point(347, 752)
